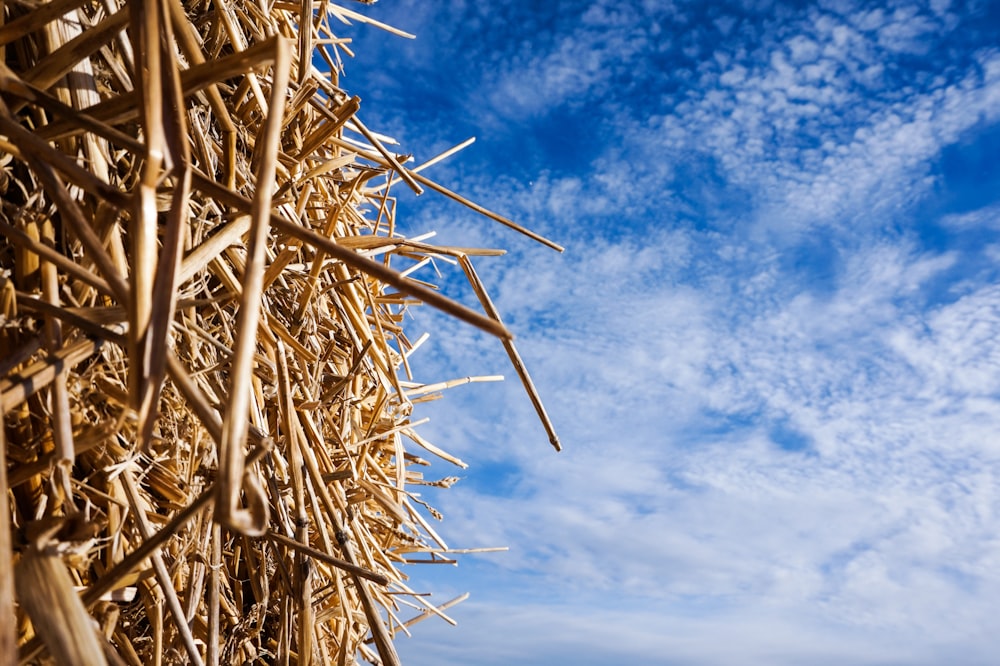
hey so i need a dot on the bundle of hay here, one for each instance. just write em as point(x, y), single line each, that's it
point(208, 453)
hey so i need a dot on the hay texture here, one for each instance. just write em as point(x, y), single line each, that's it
point(209, 452)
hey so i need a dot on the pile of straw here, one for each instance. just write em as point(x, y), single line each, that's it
point(208, 451)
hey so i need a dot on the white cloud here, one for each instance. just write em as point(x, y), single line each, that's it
point(907, 32)
point(580, 65)
point(766, 462)
point(880, 522)
point(959, 354)
point(803, 130)
point(987, 217)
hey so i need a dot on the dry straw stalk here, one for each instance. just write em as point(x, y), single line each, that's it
point(205, 391)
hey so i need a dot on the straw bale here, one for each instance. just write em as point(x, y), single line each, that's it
point(204, 380)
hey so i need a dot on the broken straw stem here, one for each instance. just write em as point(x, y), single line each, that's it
point(434, 160)
point(440, 386)
point(8, 633)
point(441, 189)
point(232, 461)
point(512, 353)
point(389, 157)
point(299, 547)
point(488, 213)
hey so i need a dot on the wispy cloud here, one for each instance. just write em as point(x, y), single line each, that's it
point(676, 408)
point(771, 348)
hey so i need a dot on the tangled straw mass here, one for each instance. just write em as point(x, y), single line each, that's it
point(209, 452)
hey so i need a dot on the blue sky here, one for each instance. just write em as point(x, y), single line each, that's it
point(771, 348)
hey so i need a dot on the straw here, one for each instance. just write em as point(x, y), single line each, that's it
point(211, 424)
point(234, 425)
point(8, 637)
point(45, 591)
